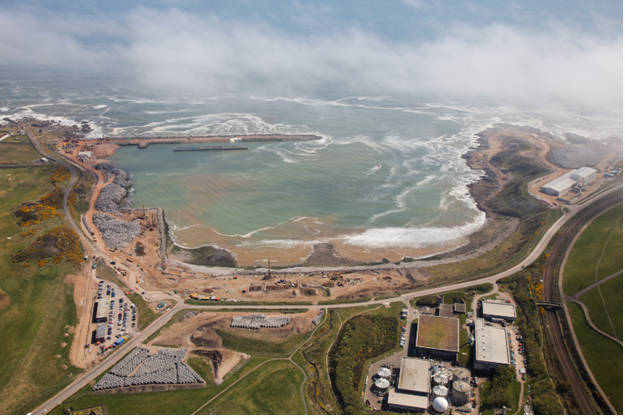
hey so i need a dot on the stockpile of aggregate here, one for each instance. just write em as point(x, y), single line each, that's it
point(256, 321)
point(115, 232)
point(166, 367)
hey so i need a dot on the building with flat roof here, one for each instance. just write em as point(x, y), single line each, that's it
point(407, 402)
point(413, 386)
point(565, 182)
point(102, 310)
point(437, 337)
point(414, 376)
point(498, 310)
point(100, 333)
point(491, 346)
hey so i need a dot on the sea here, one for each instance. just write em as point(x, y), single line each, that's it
point(387, 179)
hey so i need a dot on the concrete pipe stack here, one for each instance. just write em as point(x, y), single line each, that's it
point(256, 321)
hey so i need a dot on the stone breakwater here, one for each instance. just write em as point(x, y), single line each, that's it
point(115, 232)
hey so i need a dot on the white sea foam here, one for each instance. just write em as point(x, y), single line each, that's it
point(414, 237)
point(400, 198)
point(100, 106)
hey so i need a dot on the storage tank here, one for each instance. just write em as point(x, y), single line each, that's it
point(440, 379)
point(461, 393)
point(461, 374)
point(439, 299)
point(381, 385)
point(440, 391)
point(440, 405)
point(384, 372)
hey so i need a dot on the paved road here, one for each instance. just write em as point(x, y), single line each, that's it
point(551, 282)
point(86, 377)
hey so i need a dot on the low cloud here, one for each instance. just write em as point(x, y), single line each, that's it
point(175, 51)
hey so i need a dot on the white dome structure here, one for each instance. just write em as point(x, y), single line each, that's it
point(382, 383)
point(441, 379)
point(384, 372)
point(440, 405)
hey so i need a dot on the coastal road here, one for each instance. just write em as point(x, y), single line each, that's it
point(564, 241)
point(90, 375)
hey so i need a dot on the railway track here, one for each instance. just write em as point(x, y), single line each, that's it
point(550, 282)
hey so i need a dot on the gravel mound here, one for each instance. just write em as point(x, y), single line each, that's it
point(575, 156)
point(116, 233)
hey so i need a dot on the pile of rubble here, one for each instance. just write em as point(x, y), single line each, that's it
point(110, 198)
point(166, 367)
point(115, 232)
point(256, 321)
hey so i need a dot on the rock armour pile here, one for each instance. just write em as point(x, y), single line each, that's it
point(256, 321)
point(115, 232)
point(166, 367)
point(110, 198)
point(121, 177)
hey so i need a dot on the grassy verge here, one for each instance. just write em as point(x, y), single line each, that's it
point(237, 340)
point(245, 303)
point(588, 250)
point(271, 389)
point(341, 301)
point(608, 366)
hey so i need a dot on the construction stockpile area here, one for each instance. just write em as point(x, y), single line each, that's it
point(115, 232)
point(316, 320)
point(257, 321)
point(166, 367)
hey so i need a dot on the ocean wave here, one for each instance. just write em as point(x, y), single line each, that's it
point(100, 106)
point(400, 198)
point(277, 243)
point(414, 237)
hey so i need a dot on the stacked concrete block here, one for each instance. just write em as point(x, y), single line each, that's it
point(256, 321)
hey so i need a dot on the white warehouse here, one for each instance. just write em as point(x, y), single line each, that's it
point(565, 182)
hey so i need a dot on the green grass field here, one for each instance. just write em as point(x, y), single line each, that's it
point(581, 266)
point(612, 292)
point(36, 328)
point(604, 357)
point(272, 389)
point(18, 149)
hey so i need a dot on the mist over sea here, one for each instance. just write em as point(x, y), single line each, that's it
point(386, 179)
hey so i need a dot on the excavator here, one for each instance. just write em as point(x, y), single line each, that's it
point(339, 275)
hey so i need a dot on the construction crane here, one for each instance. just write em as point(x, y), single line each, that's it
point(268, 275)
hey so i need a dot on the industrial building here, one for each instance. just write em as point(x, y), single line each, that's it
point(438, 337)
point(563, 184)
point(498, 310)
point(413, 386)
point(491, 346)
point(100, 333)
point(101, 310)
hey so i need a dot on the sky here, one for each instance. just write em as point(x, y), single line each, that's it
point(566, 53)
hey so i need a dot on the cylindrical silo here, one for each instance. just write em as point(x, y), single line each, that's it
point(461, 393)
point(461, 374)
